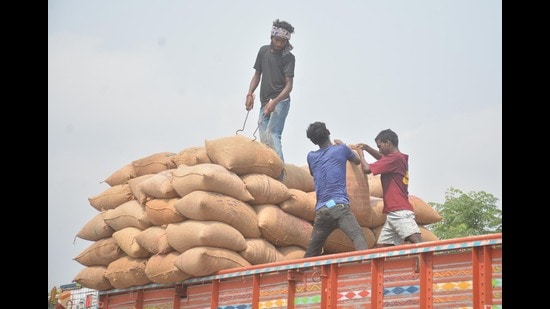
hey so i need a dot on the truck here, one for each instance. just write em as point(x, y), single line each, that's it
point(462, 272)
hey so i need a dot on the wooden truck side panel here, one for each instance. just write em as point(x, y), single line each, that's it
point(457, 273)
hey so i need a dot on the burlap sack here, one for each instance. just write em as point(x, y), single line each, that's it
point(281, 228)
point(191, 156)
point(154, 240)
point(162, 211)
point(427, 235)
point(242, 155)
point(135, 187)
point(375, 185)
point(358, 192)
point(209, 177)
point(212, 206)
point(260, 251)
point(154, 163)
point(204, 261)
point(300, 204)
point(130, 213)
point(193, 233)
point(93, 277)
point(126, 272)
point(291, 252)
point(377, 217)
point(265, 189)
point(423, 212)
point(298, 177)
point(121, 176)
point(338, 241)
point(111, 197)
point(160, 268)
point(100, 253)
point(96, 228)
point(159, 185)
point(126, 240)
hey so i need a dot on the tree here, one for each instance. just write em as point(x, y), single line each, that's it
point(467, 214)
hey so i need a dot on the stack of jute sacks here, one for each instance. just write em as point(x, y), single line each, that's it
point(170, 216)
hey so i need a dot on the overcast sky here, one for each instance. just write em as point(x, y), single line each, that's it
point(129, 78)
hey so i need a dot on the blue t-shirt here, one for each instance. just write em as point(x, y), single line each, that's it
point(328, 167)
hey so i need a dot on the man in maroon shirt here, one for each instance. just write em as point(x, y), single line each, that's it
point(393, 167)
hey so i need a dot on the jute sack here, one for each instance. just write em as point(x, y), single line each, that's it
point(423, 212)
point(162, 211)
point(100, 253)
point(260, 251)
point(358, 192)
point(135, 187)
point(375, 185)
point(159, 185)
point(427, 235)
point(126, 240)
point(111, 197)
point(300, 204)
point(93, 277)
point(291, 252)
point(191, 156)
point(338, 241)
point(154, 163)
point(95, 228)
point(241, 155)
point(160, 268)
point(377, 217)
point(130, 213)
point(281, 228)
point(193, 233)
point(298, 178)
point(213, 206)
point(204, 260)
point(154, 240)
point(264, 189)
point(121, 176)
point(209, 177)
point(126, 272)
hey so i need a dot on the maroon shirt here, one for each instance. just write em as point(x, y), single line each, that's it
point(394, 170)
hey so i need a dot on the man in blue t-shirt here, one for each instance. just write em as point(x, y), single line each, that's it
point(327, 165)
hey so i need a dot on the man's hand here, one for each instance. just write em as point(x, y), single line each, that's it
point(249, 103)
point(361, 146)
point(269, 107)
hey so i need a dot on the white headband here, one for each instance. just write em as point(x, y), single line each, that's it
point(280, 32)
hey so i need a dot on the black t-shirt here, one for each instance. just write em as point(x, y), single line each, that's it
point(274, 68)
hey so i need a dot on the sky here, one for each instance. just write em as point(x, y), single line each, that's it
point(131, 78)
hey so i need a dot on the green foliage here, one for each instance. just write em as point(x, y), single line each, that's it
point(467, 214)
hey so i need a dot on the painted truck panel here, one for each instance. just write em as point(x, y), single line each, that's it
point(455, 273)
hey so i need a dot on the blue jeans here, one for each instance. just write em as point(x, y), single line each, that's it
point(327, 220)
point(271, 127)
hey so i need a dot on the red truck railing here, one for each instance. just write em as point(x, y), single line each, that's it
point(454, 273)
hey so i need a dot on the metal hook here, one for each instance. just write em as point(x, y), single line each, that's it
point(240, 130)
point(254, 134)
point(244, 123)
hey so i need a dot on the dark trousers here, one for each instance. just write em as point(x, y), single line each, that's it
point(327, 220)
